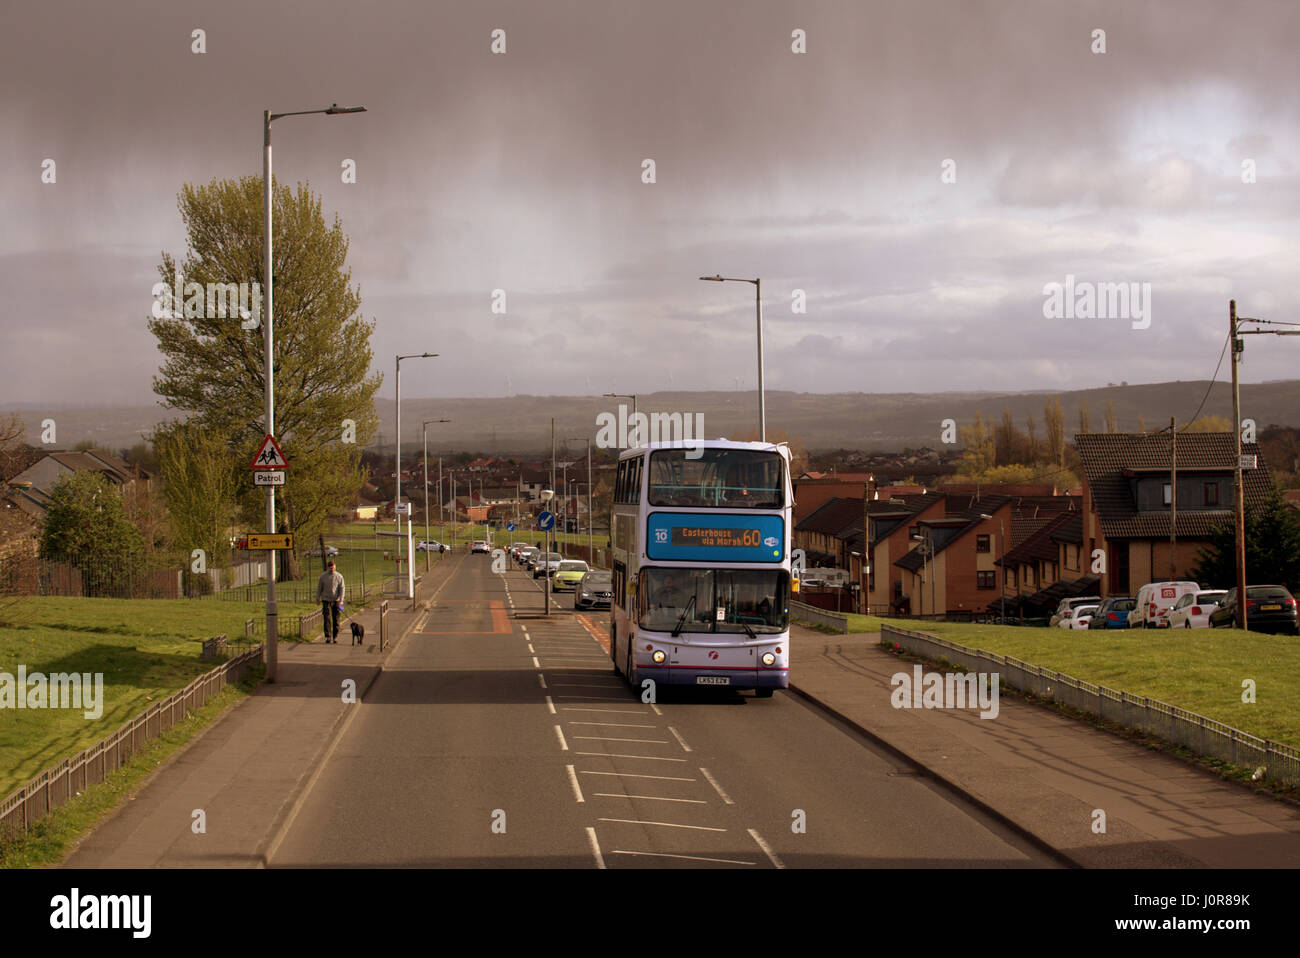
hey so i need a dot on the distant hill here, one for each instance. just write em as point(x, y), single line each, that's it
point(882, 421)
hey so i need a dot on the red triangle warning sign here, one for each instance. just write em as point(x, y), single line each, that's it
point(269, 456)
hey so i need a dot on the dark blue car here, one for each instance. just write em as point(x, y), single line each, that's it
point(1113, 613)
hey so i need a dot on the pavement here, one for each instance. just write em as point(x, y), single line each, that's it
point(1051, 779)
point(248, 769)
point(1049, 776)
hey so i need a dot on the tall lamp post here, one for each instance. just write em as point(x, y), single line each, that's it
point(758, 301)
point(397, 498)
point(547, 495)
point(272, 607)
point(928, 556)
point(424, 428)
point(591, 555)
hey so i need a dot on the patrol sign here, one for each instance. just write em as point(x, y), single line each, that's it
point(270, 540)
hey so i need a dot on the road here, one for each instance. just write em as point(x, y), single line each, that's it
point(498, 738)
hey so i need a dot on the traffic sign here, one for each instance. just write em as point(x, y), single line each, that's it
point(510, 527)
point(270, 540)
point(268, 477)
point(402, 509)
point(269, 455)
point(545, 520)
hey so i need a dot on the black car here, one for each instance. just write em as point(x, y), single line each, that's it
point(1269, 608)
point(1113, 613)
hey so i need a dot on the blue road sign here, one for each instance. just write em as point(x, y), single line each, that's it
point(545, 520)
point(510, 527)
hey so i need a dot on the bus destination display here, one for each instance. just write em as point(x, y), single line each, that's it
point(717, 538)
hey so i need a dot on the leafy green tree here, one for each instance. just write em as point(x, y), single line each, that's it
point(214, 368)
point(1272, 548)
point(200, 484)
point(86, 526)
point(1054, 423)
point(979, 447)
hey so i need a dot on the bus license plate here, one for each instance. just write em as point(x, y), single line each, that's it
point(712, 680)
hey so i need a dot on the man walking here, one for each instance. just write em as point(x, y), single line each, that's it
point(329, 593)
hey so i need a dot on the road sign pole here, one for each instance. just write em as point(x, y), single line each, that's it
point(272, 609)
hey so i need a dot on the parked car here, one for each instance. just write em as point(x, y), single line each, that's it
point(1154, 600)
point(596, 590)
point(1077, 618)
point(431, 545)
point(526, 554)
point(1066, 604)
point(1269, 608)
point(1193, 610)
point(1112, 613)
point(515, 548)
point(329, 551)
point(568, 574)
point(546, 565)
point(480, 545)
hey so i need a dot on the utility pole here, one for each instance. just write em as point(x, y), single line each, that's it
point(1238, 491)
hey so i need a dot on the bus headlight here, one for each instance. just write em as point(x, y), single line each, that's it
point(659, 656)
point(769, 658)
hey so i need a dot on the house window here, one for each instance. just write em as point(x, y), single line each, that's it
point(982, 543)
point(1168, 498)
point(985, 580)
point(1211, 493)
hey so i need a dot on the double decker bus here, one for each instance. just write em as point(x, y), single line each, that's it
point(700, 539)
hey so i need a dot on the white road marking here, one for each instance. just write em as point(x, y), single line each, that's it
point(652, 798)
point(596, 698)
point(582, 708)
point(536, 664)
point(766, 849)
point(550, 705)
point(573, 780)
point(661, 778)
point(595, 847)
point(680, 741)
point(559, 733)
point(615, 724)
point(634, 821)
point(580, 685)
point(716, 787)
point(607, 738)
point(693, 858)
point(531, 650)
point(542, 679)
point(656, 708)
point(648, 758)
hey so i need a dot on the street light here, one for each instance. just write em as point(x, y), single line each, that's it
point(424, 428)
point(758, 300)
point(397, 497)
point(1002, 576)
point(272, 607)
point(591, 555)
point(547, 496)
point(927, 556)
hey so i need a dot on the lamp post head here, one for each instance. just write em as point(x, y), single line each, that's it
point(548, 495)
point(335, 108)
point(713, 279)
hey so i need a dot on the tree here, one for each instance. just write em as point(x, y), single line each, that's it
point(86, 526)
point(1209, 424)
point(200, 484)
point(1112, 422)
point(1085, 417)
point(1272, 548)
point(1032, 443)
point(979, 448)
point(214, 368)
point(1054, 423)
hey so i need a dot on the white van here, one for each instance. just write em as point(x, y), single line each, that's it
point(1154, 600)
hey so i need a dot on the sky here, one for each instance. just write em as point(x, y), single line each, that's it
point(917, 177)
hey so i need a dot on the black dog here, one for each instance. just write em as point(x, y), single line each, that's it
point(358, 633)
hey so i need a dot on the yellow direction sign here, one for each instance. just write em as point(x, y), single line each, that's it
point(270, 540)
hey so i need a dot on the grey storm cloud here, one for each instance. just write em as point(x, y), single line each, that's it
point(819, 171)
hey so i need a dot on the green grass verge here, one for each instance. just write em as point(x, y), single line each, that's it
point(49, 840)
point(146, 649)
point(1197, 669)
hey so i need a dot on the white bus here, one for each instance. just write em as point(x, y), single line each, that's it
point(701, 565)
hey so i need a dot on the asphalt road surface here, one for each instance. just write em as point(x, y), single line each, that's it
point(497, 738)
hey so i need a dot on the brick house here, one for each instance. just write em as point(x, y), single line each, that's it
point(1127, 501)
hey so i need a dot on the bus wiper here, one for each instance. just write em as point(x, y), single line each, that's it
point(748, 631)
point(685, 612)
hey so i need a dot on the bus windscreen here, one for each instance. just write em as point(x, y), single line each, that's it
point(719, 479)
